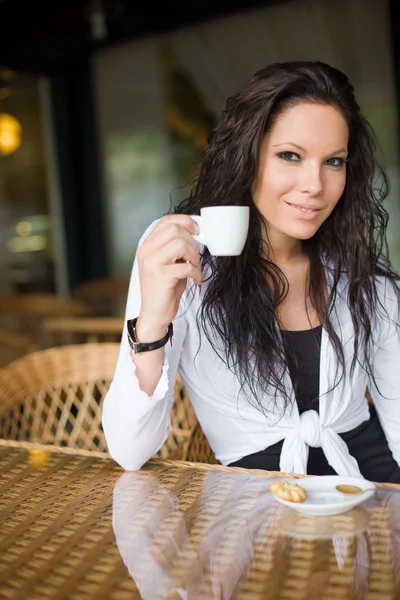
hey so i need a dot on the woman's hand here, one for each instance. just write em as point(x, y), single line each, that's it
point(166, 259)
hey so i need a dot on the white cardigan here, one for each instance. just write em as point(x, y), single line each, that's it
point(136, 425)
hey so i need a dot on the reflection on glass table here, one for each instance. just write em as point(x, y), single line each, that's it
point(218, 535)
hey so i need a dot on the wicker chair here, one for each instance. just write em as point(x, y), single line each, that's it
point(55, 397)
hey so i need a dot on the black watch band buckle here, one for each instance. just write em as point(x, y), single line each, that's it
point(138, 347)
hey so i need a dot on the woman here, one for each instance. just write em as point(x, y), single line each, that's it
point(277, 346)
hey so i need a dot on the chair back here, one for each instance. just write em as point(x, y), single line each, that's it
point(55, 397)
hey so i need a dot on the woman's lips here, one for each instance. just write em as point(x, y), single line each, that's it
point(304, 212)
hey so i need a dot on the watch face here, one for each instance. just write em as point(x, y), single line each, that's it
point(131, 324)
point(132, 334)
point(138, 347)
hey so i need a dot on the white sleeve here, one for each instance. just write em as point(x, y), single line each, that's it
point(136, 425)
point(386, 369)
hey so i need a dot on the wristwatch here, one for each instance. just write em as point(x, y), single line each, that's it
point(137, 346)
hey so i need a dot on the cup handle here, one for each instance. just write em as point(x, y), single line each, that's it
point(198, 237)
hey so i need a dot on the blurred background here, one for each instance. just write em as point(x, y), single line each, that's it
point(105, 108)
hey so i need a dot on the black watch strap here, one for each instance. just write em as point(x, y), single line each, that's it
point(137, 346)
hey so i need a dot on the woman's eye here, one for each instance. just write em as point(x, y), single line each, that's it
point(289, 156)
point(335, 162)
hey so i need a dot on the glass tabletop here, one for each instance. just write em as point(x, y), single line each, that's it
point(81, 528)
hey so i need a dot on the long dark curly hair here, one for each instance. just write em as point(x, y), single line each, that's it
point(239, 308)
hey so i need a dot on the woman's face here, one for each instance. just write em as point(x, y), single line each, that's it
point(302, 169)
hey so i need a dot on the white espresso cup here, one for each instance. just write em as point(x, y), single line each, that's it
point(223, 229)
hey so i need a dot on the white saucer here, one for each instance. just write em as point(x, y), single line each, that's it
point(324, 499)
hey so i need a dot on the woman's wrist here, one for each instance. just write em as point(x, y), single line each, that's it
point(148, 330)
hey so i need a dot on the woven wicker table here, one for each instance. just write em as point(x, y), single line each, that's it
point(80, 528)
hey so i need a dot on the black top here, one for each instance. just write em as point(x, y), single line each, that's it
point(367, 442)
point(303, 349)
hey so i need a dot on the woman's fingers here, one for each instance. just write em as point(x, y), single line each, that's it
point(171, 234)
point(178, 250)
point(181, 271)
point(184, 221)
